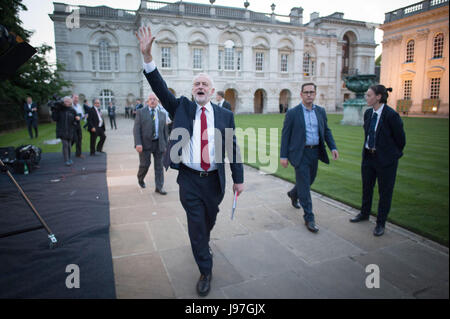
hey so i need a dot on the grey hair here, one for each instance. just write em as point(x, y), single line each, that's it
point(206, 76)
point(67, 98)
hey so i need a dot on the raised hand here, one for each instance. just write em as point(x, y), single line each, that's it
point(144, 35)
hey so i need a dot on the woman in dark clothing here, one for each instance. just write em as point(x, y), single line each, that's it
point(65, 118)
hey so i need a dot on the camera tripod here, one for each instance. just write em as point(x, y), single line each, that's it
point(51, 236)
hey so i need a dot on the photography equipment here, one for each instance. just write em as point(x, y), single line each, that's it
point(51, 236)
point(56, 103)
point(13, 52)
point(27, 158)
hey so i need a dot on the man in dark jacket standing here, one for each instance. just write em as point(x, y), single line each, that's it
point(384, 141)
point(96, 126)
point(66, 118)
point(112, 115)
point(31, 116)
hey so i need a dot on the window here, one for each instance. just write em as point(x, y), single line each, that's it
point(197, 54)
point(165, 58)
point(219, 66)
point(438, 46)
point(93, 59)
point(284, 63)
point(410, 51)
point(106, 96)
point(104, 56)
point(308, 65)
point(434, 88)
point(229, 59)
point(116, 61)
point(407, 86)
point(259, 61)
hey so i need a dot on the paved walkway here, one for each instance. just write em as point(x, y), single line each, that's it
point(266, 251)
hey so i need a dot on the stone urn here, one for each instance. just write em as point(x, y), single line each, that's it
point(354, 108)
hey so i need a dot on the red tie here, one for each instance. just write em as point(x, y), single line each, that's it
point(204, 155)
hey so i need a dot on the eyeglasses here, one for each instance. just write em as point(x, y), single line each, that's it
point(309, 92)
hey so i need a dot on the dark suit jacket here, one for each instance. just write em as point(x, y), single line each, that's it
point(226, 105)
point(390, 139)
point(293, 138)
point(34, 114)
point(182, 110)
point(143, 128)
point(93, 120)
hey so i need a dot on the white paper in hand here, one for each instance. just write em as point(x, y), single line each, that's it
point(234, 205)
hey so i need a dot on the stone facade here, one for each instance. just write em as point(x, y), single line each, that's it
point(259, 60)
point(415, 57)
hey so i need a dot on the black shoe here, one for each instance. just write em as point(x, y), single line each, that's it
point(311, 225)
point(378, 231)
point(294, 201)
point(359, 218)
point(204, 285)
point(142, 184)
point(161, 191)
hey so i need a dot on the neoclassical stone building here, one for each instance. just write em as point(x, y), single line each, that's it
point(258, 59)
point(415, 57)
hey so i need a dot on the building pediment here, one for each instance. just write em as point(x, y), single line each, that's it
point(166, 40)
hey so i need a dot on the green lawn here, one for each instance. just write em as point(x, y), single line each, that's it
point(46, 132)
point(421, 194)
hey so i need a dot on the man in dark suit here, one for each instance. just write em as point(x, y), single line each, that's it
point(96, 127)
point(112, 115)
point(198, 154)
point(31, 116)
point(150, 137)
point(221, 102)
point(78, 138)
point(305, 131)
point(384, 141)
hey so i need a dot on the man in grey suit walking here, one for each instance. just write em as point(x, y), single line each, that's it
point(150, 137)
point(305, 130)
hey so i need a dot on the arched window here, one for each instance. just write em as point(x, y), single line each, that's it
point(229, 55)
point(345, 55)
point(106, 96)
point(410, 51)
point(104, 56)
point(309, 64)
point(438, 45)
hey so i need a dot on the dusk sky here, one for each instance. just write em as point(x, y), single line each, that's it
point(37, 19)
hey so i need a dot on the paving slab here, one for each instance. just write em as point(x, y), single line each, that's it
point(184, 273)
point(345, 278)
point(168, 233)
point(286, 285)
point(141, 277)
point(130, 239)
point(314, 247)
point(257, 255)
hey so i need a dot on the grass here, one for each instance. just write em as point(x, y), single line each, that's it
point(421, 194)
point(46, 132)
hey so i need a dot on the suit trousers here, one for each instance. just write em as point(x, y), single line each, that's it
point(112, 120)
point(78, 140)
point(305, 174)
point(66, 149)
point(371, 172)
point(31, 122)
point(200, 197)
point(145, 160)
point(99, 132)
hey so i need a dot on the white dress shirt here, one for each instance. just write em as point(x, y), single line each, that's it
point(99, 114)
point(190, 154)
point(376, 125)
point(79, 109)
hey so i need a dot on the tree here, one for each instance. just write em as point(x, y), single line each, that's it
point(36, 77)
point(378, 61)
